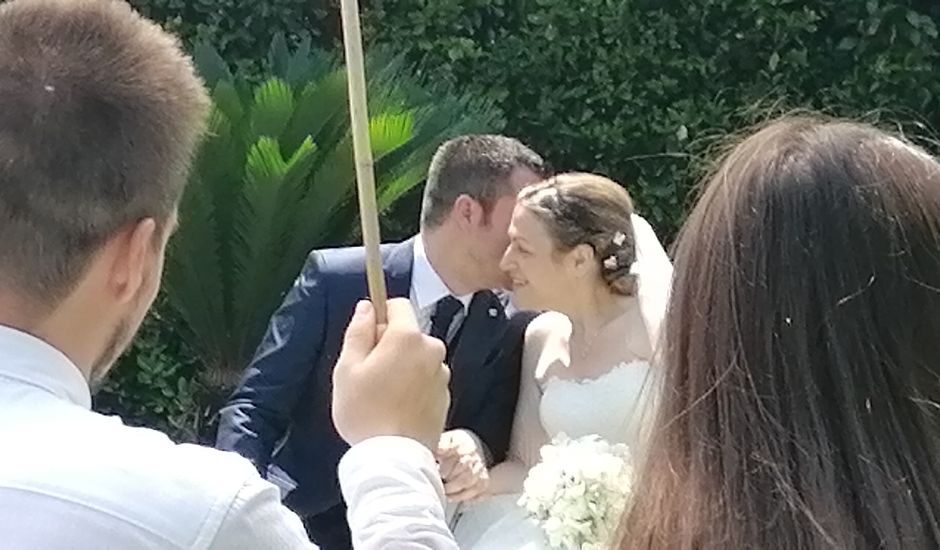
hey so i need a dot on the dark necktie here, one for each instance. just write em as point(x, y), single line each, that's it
point(444, 313)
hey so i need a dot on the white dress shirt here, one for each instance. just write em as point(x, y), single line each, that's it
point(74, 479)
point(427, 289)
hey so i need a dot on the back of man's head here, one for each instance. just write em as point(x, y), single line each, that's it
point(100, 113)
point(478, 166)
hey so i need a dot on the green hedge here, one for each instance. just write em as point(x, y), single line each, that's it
point(641, 89)
point(636, 89)
point(243, 29)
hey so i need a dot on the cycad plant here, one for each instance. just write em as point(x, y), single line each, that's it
point(275, 179)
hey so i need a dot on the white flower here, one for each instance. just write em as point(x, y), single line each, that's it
point(578, 491)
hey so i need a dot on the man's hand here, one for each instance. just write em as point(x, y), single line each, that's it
point(462, 465)
point(390, 380)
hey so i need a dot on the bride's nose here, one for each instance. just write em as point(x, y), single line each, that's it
point(506, 263)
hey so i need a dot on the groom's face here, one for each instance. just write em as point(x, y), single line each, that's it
point(494, 234)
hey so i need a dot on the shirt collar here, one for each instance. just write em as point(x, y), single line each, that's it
point(27, 359)
point(427, 285)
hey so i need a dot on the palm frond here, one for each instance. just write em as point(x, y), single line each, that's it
point(270, 183)
point(389, 130)
point(193, 274)
point(322, 112)
point(272, 109)
point(225, 98)
point(275, 178)
point(212, 68)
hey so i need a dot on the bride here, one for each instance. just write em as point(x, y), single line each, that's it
point(578, 251)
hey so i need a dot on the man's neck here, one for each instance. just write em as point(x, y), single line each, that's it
point(18, 313)
point(447, 259)
point(24, 316)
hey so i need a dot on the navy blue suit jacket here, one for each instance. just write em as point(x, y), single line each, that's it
point(279, 417)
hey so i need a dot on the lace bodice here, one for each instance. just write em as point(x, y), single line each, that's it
point(616, 405)
point(611, 406)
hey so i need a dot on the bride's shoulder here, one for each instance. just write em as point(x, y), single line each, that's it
point(549, 331)
point(546, 327)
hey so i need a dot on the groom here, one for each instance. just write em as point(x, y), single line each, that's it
point(279, 417)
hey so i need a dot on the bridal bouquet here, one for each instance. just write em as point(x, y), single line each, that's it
point(578, 491)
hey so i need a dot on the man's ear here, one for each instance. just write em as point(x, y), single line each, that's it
point(133, 250)
point(467, 211)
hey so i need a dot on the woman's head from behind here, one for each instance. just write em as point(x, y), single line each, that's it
point(801, 344)
point(570, 234)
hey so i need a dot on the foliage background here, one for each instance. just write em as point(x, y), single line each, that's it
point(636, 89)
point(640, 90)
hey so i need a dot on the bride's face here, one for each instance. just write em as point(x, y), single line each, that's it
point(539, 273)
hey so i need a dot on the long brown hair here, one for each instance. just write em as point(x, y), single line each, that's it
point(799, 405)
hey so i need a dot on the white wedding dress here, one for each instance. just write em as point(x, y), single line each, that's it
point(611, 406)
point(617, 406)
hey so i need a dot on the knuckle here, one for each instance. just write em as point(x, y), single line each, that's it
point(434, 348)
point(404, 335)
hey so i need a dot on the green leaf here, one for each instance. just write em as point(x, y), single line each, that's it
point(847, 43)
point(930, 29)
point(321, 112)
point(272, 109)
point(773, 61)
point(388, 131)
point(210, 65)
point(226, 100)
point(279, 56)
point(306, 65)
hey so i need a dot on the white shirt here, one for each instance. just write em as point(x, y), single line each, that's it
point(74, 479)
point(427, 288)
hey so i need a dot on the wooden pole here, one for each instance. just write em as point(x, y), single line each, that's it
point(365, 175)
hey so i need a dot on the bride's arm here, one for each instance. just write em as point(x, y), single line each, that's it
point(654, 273)
point(528, 435)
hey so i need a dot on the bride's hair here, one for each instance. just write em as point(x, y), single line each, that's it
point(589, 209)
point(799, 406)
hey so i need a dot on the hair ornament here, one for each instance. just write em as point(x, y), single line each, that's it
point(545, 192)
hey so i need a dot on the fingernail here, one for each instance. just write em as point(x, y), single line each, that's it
point(362, 307)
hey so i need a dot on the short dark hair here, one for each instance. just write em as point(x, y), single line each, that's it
point(475, 165)
point(101, 114)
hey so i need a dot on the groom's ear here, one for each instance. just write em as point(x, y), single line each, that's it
point(468, 212)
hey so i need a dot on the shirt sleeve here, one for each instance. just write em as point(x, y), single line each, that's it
point(394, 496)
point(257, 519)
